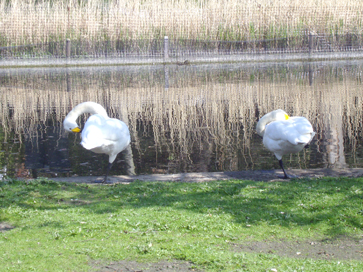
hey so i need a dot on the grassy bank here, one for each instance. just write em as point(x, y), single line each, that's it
point(40, 21)
point(67, 227)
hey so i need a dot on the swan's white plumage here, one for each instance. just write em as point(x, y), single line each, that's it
point(105, 135)
point(101, 134)
point(283, 134)
point(287, 136)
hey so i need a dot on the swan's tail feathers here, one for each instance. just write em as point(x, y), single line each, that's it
point(312, 136)
point(307, 144)
point(302, 139)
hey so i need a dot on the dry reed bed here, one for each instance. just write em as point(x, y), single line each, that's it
point(210, 117)
point(34, 21)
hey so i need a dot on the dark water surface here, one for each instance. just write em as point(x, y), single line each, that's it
point(189, 118)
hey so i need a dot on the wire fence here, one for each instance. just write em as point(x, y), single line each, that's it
point(136, 28)
point(183, 48)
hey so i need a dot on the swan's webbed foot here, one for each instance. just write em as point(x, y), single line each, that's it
point(283, 177)
point(102, 181)
point(287, 177)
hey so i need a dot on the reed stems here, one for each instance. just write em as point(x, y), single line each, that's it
point(39, 21)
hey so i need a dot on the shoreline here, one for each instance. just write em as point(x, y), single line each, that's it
point(186, 60)
point(257, 175)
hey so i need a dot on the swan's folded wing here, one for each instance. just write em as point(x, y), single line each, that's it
point(102, 132)
point(301, 131)
point(115, 130)
point(296, 131)
point(277, 131)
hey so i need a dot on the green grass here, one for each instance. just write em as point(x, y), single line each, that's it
point(63, 226)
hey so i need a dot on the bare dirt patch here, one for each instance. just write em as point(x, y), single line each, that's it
point(5, 227)
point(257, 175)
point(337, 249)
point(176, 266)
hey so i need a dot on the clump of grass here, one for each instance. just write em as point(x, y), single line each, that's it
point(61, 226)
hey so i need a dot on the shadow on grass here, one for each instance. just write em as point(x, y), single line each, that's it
point(338, 202)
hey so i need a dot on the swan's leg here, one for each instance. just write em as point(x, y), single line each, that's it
point(283, 169)
point(107, 172)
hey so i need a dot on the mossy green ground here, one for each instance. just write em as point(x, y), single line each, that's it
point(66, 226)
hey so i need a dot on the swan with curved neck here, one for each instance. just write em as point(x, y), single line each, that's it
point(283, 134)
point(101, 134)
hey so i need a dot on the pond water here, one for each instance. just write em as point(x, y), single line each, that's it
point(187, 118)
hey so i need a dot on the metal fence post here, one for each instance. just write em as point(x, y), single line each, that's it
point(311, 37)
point(166, 48)
point(166, 76)
point(68, 48)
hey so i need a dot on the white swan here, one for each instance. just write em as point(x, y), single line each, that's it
point(101, 134)
point(283, 134)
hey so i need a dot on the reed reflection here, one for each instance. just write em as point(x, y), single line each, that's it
point(185, 118)
point(332, 112)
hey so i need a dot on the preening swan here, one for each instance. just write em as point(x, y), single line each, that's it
point(101, 134)
point(283, 134)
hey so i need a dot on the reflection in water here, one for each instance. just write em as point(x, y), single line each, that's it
point(129, 162)
point(334, 135)
point(181, 118)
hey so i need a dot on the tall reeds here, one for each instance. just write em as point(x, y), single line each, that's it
point(39, 21)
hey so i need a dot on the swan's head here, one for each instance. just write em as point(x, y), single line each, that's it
point(276, 115)
point(70, 123)
point(279, 115)
point(71, 126)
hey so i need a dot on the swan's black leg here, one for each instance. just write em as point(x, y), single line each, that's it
point(107, 172)
point(282, 167)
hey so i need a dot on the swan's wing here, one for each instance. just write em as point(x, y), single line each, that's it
point(301, 131)
point(290, 136)
point(101, 132)
point(115, 130)
point(296, 130)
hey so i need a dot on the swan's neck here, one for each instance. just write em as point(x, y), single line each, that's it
point(268, 118)
point(261, 125)
point(86, 107)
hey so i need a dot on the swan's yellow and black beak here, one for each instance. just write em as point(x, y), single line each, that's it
point(286, 117)
point(76, 130)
